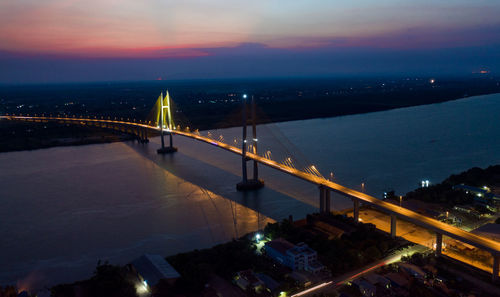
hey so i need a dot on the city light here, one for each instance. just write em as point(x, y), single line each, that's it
point(244, 96)
point(258, 236)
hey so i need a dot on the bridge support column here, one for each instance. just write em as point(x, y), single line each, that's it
point(166, 149)
point(356, 210)
point(327, 200)
point(393, 225)
point(255, 183)
point(322, 198)
point(496, 260)
point(145, 135)
point(439, 244)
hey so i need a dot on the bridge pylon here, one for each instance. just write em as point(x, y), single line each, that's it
point(166, 123)
point(255, 183)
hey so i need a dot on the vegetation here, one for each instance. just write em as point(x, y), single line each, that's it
point(354, 249)
point(16, 136)
point(444, 193)
point(225, 260)
point(8, 291)
point(107, 281)
point(365, 244)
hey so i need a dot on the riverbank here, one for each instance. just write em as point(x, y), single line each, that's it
point(15, 136)
point(22, 136)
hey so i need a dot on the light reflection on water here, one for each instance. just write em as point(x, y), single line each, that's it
point(65, 208)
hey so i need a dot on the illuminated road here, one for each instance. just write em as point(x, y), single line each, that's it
point(403, 213)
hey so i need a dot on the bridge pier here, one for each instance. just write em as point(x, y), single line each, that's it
point(328, 200)
point(166, 149)
point(356, 210)
point(144, 135)
point(439, 244)
point(393, 225)
point(255, 183)
point(324, 199)
point(496, 260)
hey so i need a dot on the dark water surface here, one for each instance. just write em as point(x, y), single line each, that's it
point(64, 208)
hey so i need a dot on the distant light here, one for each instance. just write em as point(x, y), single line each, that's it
point(432, 80)
point(255, 139)
point(244, 96)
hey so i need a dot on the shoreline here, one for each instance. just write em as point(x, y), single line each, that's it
point(110, 137)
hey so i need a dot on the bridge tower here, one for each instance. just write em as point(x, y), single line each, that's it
point(254, 183)
point(166, 124)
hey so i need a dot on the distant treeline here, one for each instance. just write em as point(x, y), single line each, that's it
point(212, 104)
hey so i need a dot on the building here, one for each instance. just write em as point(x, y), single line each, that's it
point(412, 270)
point(297, 257)
point(271, 285)
point(483, 194)
point(246, 279)
point(328, 229)
point(153, 268)
point(377, 279)
point(365, 287)
point(397, 280)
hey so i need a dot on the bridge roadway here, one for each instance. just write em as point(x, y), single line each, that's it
point(439, 227)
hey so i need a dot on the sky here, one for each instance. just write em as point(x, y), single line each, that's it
point(73, 40)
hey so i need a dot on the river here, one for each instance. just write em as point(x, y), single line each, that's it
point(64, 208)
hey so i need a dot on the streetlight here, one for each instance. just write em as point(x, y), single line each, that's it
point(400, 200)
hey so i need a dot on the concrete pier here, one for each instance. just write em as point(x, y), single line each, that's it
point(439, 244)
point(393, 226)
point(356, 210)
point(166, 149)
point(496, 259)
point(328, 200)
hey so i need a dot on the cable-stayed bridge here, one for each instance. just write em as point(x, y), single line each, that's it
point(161, 121)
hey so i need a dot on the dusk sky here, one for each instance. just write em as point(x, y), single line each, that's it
point(72, 40)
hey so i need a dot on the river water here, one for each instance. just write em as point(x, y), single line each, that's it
point(64, 208)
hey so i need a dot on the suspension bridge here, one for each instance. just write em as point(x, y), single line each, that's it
point(161, 121)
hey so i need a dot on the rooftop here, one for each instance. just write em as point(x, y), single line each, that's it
point(153, 268)
point(280, 245)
